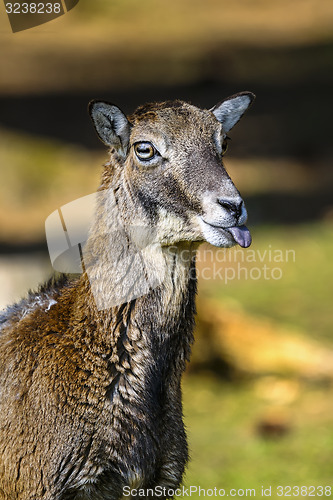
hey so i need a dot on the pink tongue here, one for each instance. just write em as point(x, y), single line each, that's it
point(241, 235)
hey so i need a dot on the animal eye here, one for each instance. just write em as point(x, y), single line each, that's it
point(144, 150)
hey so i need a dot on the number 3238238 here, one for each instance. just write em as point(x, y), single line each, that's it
point(309, 491)
point(33, 8)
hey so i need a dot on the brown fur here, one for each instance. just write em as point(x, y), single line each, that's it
point(90, 399)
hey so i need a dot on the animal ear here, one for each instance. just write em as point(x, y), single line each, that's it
point(111, 124)
point(230, 111)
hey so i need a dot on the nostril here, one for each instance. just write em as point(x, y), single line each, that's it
point(233, 207)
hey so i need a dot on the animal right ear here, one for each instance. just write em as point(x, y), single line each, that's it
point(230, 110)
point(111, 124)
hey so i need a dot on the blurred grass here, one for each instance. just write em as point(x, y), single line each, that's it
point(302, 298)
point(37, 176)
point(228, 450)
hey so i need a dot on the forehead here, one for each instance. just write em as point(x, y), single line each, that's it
point(174, 119)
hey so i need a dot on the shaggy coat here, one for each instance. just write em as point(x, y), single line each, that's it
point(90, 398)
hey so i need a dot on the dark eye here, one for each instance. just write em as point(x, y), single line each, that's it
point(144, 150)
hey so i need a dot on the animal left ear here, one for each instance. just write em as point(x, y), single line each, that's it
point(231, 110)
point(111, 124)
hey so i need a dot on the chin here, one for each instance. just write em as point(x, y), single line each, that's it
point(218, 237)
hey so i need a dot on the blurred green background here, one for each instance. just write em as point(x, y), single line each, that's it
point(258, 395)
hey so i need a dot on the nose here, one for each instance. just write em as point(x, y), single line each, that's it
point(233, 207)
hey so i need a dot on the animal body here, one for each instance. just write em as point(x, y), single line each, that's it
point(90, 397)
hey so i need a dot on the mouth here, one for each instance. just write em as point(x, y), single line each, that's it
point(240, 234)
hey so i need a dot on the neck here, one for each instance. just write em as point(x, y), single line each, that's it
point(141, 296)
point(159, 312)
point(142, 346)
